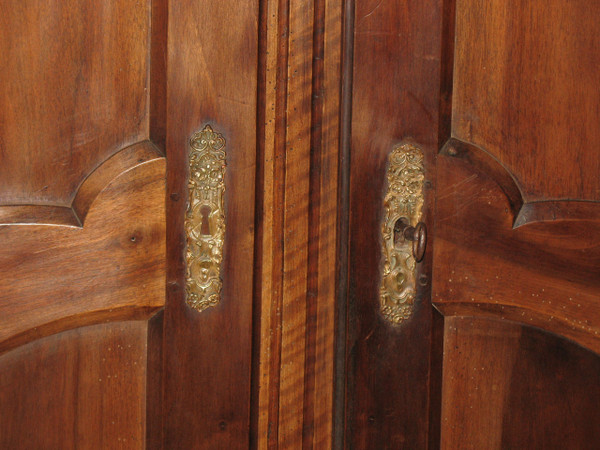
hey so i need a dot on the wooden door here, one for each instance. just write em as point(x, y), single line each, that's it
point(502, 97)
point(82, 224)
point(307, 100)
point(94, 95)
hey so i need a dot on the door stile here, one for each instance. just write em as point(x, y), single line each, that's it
point(296, 243)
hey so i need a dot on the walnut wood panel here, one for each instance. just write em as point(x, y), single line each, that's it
point(512, 386)
point(300, 88)
point(525, 89)
point(83, 388)
point(396, 85)
point(59, 277)
point(73, 89)
point(543, 274)
point(516, 229)
point(211, 79)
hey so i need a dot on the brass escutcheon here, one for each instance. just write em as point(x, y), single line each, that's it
point(205, 219)
point(403, 235)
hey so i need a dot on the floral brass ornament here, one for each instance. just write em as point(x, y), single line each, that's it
point(403, 201)
point(205, 219)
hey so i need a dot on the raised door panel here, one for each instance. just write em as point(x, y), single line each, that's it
point(82, 222)
point(502, 99)
point(516, 224)
point(74, 91)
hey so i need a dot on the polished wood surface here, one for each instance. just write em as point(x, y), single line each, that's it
point(82, 226)
point(517, 225)
point(59, 277)
point(513, 386)
point(82, 388)
point(296, 251)
point(73, 90)
point(211, 79)
point(395, 98)
point(517, 211)
point(525, 89)
point(542, 274)
point(99, 101)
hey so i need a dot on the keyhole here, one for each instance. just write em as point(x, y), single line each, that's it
point(205, 228)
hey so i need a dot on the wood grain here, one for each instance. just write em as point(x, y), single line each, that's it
point(486, 165)
point(525, 88)
point(55, 277)
point(542, 274)
point(300, 88)
point(396, 85)
point(211, 79)
point(295, 234)
point(82, 388)
point(516, 232)
point(73, 91)
point(512, 386)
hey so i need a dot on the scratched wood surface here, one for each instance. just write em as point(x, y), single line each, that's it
point(517, 225)
point(80, 389)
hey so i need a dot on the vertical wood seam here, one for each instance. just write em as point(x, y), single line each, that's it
point(343, 231)
point(314, 211)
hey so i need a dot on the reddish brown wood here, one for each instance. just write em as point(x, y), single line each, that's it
point(516, 235)
point(211, 79)
point(92, 94)
point(83, 224)
point(525, 89)
point(543, 274)
point(82, 388)
point(297, 199)
point(395, 98)
point(73, 91)
point(158, 74)
point(56, 277)
point(511, 386)
point(295, 286)
point(154, 383)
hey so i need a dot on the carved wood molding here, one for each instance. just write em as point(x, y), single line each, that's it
point(125, 160)
point(523, 212)
point(113, 268)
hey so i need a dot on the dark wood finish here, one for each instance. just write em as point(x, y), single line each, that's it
point(82, 388)
point(211, 79)
point(512, 386)
point(395, 98)
point(154, 382)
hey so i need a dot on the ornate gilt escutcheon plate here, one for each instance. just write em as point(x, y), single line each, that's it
point(205, 219)
point(403, 204)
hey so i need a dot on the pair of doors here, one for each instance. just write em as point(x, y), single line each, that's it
point(306, 344)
